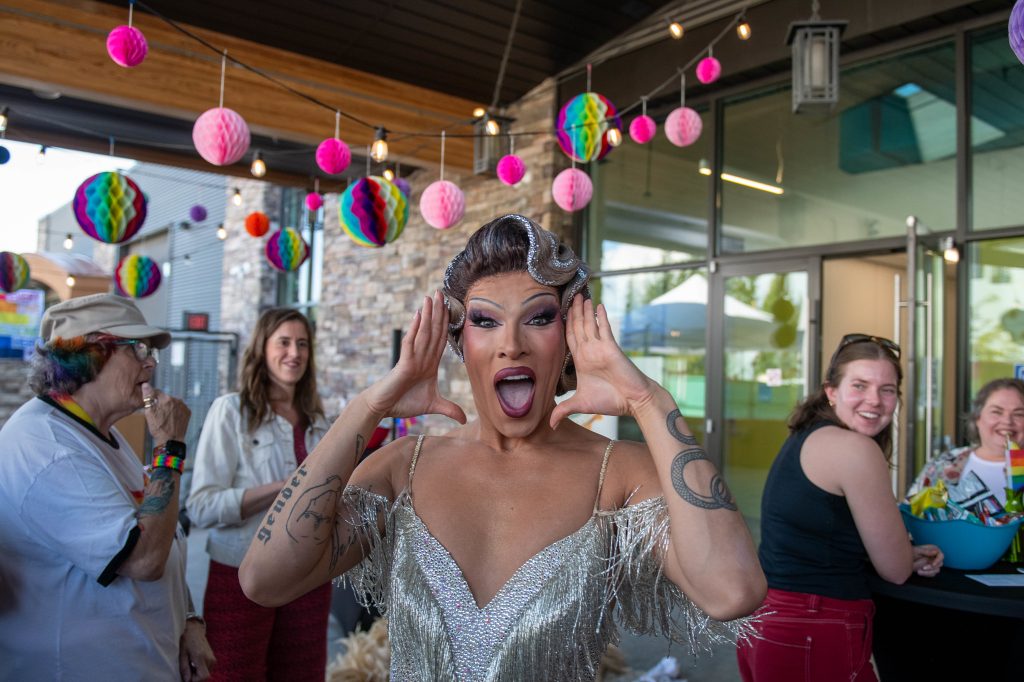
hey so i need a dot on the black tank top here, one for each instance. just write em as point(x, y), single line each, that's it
point(809, 542)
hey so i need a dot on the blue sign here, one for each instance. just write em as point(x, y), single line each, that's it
point(1018, 371)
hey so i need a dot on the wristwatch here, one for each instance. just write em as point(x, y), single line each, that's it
point(192, 615)
point(175, 448)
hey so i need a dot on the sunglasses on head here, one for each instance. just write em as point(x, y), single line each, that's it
point(851, 339)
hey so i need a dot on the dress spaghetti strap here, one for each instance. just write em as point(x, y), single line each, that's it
point(604, 469)
point(415, 456)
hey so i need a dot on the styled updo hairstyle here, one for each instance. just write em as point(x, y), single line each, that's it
point(816, 408)
point(514, 243)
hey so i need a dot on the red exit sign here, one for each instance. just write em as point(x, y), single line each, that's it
point(197, 322)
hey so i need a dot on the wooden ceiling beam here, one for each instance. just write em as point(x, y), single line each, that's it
point(60, 45)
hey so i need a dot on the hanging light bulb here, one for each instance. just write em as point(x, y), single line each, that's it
point(69, 242)
point(70, 281)
point(258, 167)
point(614, 137)
point(950, 253)
point(743, 30)
point(236, 198)
point(479, 112)
point(3, 120)
point(379, 148)
point(492, 127)
point(222, 234)
point(41, 156)
point(676, 30)
point(389, 174)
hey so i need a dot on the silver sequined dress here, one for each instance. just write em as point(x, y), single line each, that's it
point(553, 618)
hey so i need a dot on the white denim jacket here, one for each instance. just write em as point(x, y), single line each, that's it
point(230, 459)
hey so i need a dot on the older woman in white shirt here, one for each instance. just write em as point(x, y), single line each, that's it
point(251, 442)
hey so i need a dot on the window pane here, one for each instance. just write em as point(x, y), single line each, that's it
point(650, 204)
point(996, 304)
point(997, 131)
point(660, 320)
point(887, 151)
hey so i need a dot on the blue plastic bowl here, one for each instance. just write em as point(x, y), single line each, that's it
point(966, 545)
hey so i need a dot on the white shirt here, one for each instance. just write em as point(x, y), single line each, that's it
point(229, 459)
point(66, 512)
point(992, 474)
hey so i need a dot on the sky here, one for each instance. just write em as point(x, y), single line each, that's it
point(30, 189)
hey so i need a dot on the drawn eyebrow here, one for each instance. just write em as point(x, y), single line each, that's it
point(543, 293)
point(487, 300)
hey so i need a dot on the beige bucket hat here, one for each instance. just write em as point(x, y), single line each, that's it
point(105, 313)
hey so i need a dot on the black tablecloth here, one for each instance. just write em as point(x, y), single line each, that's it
point(948, 628)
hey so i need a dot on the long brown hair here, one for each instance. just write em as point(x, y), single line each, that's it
point(816, 408)
point(254, 385)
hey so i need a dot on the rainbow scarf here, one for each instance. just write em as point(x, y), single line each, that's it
point(1014, 466)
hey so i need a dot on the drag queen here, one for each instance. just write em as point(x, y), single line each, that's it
point(513, 546)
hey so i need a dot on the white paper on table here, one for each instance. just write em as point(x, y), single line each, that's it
point(999, 579)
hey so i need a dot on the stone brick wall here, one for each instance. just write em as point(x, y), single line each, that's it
point(14, 390)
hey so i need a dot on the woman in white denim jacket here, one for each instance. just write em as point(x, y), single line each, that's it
point(251, 442)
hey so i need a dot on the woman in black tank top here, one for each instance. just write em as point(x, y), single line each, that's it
point(827, 510)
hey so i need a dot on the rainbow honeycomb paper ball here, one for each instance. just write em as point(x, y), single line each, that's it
point(127, 46)
point(572, 189)
point(14, 272)
point(442, 204)
point(403, 186)
point(221, 136)
point(373, 211)
point(1016, 30)
point(109, 207)
point(314, 201)
point(287, 250)
point(683, 126)
point(197, 213)
point(333, 156)
point(708, 70)
point(257, 223)
point(137, 276)
point(511, 169)
point(581, 126)
point(642, 129)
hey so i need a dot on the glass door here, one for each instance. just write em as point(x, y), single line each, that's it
point(764, 343)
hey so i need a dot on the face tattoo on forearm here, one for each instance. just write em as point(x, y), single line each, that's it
point(720, 497)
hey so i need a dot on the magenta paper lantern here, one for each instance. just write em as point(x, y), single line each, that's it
point(511, 169)
point(442, 204)
point(109, 207)
point(403, 186)
point(572, 189)
point(642, 129)
point(221, 136)
point(197, 213)
point(136, 276)
point(1016, 30)
point(127, 46)
point(582, 125)
point(373, 211)
point(333, 156)
point(683, 126)
point(708, 70)
point(287, 250)
point(314, 201)
point(14, 272)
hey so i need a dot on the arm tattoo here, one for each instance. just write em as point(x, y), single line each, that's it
point(159, 493)
point(286, 493)
point(720, 497)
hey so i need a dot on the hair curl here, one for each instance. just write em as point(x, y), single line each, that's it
point(514, 243)
point(65, 365)
point(254, 384)
point(815, 407)
point(978, 404)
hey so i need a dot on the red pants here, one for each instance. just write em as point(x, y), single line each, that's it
point(811, 638)
point(252, 642)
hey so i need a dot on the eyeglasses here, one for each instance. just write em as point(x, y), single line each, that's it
point(851, 339)
point(143, 351)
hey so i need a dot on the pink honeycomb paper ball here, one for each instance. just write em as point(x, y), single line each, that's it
point(642, 129)
point(683, 126)
point(127, 46)
point(221, 136)
point(708, 70)
point(314, 201)
point(511, 169)
point(442, 204)
point(333, 156)
point(572, 189)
